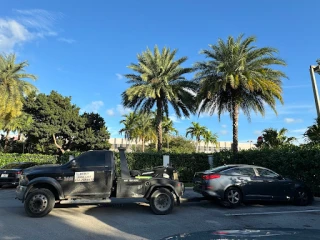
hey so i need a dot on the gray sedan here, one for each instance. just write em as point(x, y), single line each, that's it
point(233, 184)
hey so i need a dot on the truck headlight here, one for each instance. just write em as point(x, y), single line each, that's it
point(23, 180)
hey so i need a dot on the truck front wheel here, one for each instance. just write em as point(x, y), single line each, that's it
point(162, 201)
point(39, 202)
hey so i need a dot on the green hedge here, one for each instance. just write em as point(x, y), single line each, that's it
point(6, 158)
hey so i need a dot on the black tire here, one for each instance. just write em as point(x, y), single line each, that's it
point(39, 202)
point(302, 197)
point(232, 197)
point(162, 201)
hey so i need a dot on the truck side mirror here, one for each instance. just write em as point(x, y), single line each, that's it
point(73, 164)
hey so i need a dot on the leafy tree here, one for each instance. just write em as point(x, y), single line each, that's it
point(56, 120)
point(313, 133)
point(238, 76)
point(57, 125)
point(13, 87)
point(94, 135)
point(274, 139)
point(196, 131)
point(159, 82)
point(179, 144)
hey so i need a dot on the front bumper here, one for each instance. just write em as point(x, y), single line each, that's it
point(20, 192)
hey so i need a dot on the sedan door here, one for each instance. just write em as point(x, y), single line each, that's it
point(275, 186)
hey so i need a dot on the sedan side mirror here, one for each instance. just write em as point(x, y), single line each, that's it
point(73, 164)
point(280, 177)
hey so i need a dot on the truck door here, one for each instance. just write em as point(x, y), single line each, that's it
point(90, 174)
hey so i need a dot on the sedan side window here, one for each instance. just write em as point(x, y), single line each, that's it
point(247, 172)
point(232, 172)
point(266, 173)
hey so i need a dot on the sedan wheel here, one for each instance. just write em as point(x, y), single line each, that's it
point(302, 197)
point(233, 197)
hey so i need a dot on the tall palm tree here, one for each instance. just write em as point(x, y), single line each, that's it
point(209, 137)
point(196, 131)
point(313, 132)
point(159, 81)
point(13, 87)
point(238, 76)
point(273, 138)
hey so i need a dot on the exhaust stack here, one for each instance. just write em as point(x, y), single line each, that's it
point(125, 173)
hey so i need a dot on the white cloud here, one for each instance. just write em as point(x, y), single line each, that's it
point(92, 107)
point(122, 110)
point(292, 120)
point(257, 132)
point(110, 112)
point(66, 40)
point(301, 130)
point(224, 125)
point(119, 76)
point(224, 132)
point(174, 118)
point(25, 26)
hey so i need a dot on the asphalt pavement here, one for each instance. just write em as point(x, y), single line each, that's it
point(133, 219)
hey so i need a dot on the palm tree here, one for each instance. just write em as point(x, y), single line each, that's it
point(144, 128)
point(17, 124)
point(238, 76)
point(159, 82)
point(273, 139)
point(129, 122)
point(168, 129)
point(313, 132)
point(197, 131)
point(13, 88)
point(209, 137)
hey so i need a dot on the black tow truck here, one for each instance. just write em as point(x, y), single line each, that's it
point(91, 178)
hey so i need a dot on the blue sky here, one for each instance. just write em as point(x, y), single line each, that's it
point(82, 48)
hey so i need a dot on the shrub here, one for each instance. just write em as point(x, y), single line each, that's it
point(6, 158)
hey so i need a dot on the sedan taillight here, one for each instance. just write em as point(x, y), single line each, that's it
point(210, 176)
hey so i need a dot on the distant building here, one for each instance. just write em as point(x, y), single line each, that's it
point(131, 145)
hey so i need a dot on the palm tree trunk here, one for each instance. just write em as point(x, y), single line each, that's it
point(159, 124)
point(6, 141)
point(235, 118)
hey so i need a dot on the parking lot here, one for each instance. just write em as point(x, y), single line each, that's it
point(129, 219)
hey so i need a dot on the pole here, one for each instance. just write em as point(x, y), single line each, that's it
point(315, 90)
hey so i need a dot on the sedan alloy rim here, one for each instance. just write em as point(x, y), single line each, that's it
point(303, 197)
point(233, 196)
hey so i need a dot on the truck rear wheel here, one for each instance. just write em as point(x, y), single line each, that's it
point(39, 202)
point(162, 201)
